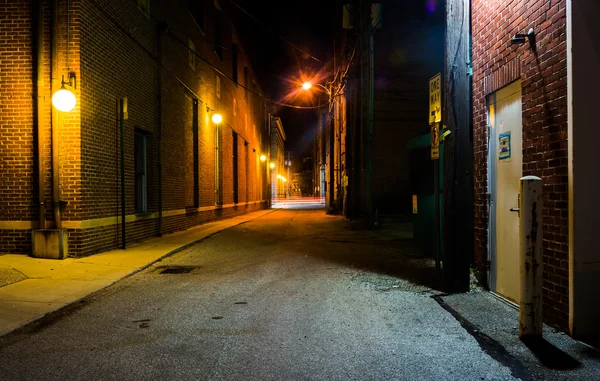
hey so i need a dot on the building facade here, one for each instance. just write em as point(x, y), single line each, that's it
point(534, 74)
point(278, 169)
point(148, 77)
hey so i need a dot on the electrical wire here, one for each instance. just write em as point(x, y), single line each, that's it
point(125, 32)
point(237, 83)
point(273, 32)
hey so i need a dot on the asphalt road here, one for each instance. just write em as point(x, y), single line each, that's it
point(293, 295)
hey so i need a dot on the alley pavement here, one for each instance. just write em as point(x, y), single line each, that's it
point(31, 287)
point(290, 294)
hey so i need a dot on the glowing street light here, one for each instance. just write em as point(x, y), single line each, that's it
point(64, 100)
point(307, 86)
point(217, 118)
point(272, 165)
point(263, 158)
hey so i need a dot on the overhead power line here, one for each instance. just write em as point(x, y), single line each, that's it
point(183, 44)
point(274, 33)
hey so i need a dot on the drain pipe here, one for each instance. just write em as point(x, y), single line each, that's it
point(122, 107)
point(55, 121)
point(162, 28)
point(40, 112)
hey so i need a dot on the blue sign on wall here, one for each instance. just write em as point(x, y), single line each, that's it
point(504, 146)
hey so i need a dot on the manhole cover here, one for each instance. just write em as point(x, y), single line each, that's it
point(176, 269)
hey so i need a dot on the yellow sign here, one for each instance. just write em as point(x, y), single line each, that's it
point(435, 99)
point(435, 141)
point(414, 202)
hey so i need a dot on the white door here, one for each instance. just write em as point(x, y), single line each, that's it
point(505, 169)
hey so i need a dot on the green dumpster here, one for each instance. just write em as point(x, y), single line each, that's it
point(421, 182)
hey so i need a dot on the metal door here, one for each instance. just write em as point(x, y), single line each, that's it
point(505, 163)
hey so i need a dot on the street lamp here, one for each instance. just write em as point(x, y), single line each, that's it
point(272, 165)
point(308, 85)
point(263, 158)
point(217, 118)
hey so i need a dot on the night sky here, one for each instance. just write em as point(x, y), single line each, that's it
point(310, 25)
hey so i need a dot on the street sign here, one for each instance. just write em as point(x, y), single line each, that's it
point(415, 204)
point(435, 99)
point(435, 141)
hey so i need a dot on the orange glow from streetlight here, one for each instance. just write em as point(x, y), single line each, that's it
point(272, 165)
point(263, 158)
point(306, 85)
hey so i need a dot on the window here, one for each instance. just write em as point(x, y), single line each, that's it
point(218, 86)
point(246, 83)
point(144, 6)
point(218, 34)
point(192, 54)
point(235, 168)
point(234, 63)
point(196, 8)
point(196, 154)
point(234, 107)
point(141, 196)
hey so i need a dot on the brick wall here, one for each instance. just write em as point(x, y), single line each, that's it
point(113, 51)
point(18, 118)
point(543, 73)
point(17, 112)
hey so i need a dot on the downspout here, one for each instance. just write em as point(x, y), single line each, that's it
point(268, 167)
point(40, 112)
point(570, 170)
point(161, 28)
point(55, 121)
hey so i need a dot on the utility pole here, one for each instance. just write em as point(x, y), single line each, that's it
point(458, 152)
point(366, 109)
point(289, 179)
point(371, 20)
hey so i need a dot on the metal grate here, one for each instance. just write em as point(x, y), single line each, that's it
point(177, 269)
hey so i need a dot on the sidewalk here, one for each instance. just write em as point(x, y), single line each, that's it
point(34, 287)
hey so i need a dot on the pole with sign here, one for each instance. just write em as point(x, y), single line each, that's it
point(435, 117)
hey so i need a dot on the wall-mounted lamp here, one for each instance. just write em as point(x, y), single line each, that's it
point(263, 158)
point(520, 38)
point(64, 99)
point(217, 118)
point(272, 165)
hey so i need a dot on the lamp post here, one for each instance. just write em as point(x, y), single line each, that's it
point(217, 119)
point(330, 197)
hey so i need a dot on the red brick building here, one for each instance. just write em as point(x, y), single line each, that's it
point(177, 64)
point(531, 117)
